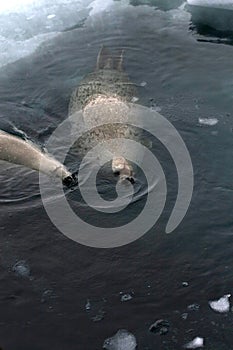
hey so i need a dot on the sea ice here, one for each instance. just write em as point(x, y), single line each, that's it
point(195, 343)
point(122, 340)
point(224, 4)
point(208, 121)
point(222, 304)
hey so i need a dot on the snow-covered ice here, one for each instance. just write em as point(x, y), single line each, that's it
point(221, 305)
point(26, 24)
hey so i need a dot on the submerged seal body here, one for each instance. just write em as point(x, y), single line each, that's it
point(21, 152)
point(102, 96)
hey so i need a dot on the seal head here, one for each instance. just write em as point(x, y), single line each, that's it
point(121, 167)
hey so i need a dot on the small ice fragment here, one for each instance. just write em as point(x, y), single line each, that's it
point(185, 284)
point(134, 99)
point(208, 121)
point(197, 342)
point(122, 340)
point(143, 83)
point(98, 317)
point(88, 305)
point(21, 268)
point(46, 295)
point(184, 316)
point(126, 297)
point(51, 16)
point(193, 307)
point(160, 326)
point(156, 108)
point(222, 304)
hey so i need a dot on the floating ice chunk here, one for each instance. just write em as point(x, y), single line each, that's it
point(126, 297)
point(143, 83)
point(193, 307)
point(222, 304)
point(21, 268)
point(208, 121)
point(195, 343)
point(224, 4)
point(134, 99)
point(88, 305)
point(51, 16)
point(184, 316)
point(46, 295)
point(185, 284)
point(156, 108)
point(122, 340)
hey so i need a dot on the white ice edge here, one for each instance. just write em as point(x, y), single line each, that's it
point(221, 4)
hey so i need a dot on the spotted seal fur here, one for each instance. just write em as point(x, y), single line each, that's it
point(102, 95)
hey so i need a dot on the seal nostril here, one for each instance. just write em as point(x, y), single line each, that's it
point(131, 180)
point(69, 180)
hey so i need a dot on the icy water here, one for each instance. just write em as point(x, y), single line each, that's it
point(58, 294)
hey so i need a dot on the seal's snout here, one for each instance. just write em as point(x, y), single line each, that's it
point(123, 169)
point(69, 180)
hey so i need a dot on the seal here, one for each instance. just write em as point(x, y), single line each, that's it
point(21, 152)
point(101, 96)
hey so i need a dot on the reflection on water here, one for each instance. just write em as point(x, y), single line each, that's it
point(187, 80)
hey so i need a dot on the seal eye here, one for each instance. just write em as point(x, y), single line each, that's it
point(116, 173)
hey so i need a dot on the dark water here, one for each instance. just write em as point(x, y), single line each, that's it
point(188, 80)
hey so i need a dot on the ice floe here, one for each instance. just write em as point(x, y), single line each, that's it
point(222, 304)
point(122, 340)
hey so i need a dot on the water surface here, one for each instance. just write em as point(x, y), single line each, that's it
point(186, 80)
